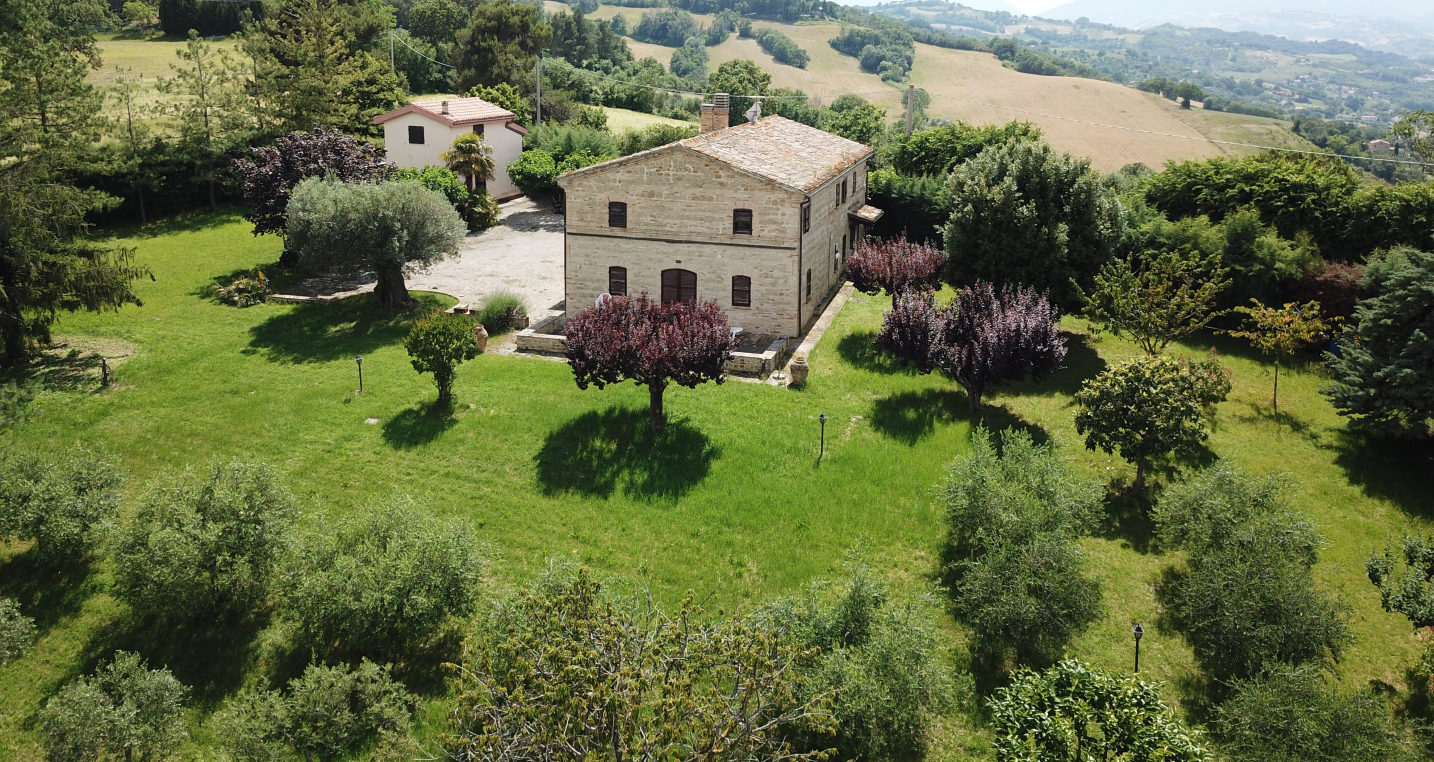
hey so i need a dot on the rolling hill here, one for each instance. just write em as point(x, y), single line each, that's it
point(1111, 124)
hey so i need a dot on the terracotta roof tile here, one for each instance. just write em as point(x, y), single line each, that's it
point(460, 111)
point(779, 149)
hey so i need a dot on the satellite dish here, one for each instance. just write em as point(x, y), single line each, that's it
point(755, 112)
point(602, 300)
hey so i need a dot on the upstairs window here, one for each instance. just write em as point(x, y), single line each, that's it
point(843, 191)
point(741, 221)
point(741, 291)
point(806, 216)
point(617, 214)
point(617, 281)
point(478, 130)
point(415, 135)
point(809, 284)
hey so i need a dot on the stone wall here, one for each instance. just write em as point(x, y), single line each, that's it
point(822, 250)
point(679, 215)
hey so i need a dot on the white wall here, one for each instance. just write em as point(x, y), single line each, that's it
point(438, 138)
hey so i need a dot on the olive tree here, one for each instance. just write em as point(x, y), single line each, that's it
point(385, 228)
point(124, 711)
point(57, 502)
point(325, 714)
point(16, 631)
point(380, 587)
point(1017, 576)
point(1247, 599)
point(203, 549)
point(564, 672)
point(1298, 714)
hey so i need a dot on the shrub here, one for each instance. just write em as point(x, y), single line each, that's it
point(327, 713)
point(478, 210)
point(653, 136)
point(670, 27)
point(1247, 600)
point(502, 311)
point(981, 340)
point(438, 344)
point(16, 631)
point(1297, 714)
point(562, 671)
point(1074, 711)
point(381, 587)
point(534, 172)
point(244, 291)
point(200, 551)
point(1335, 285)
point(57, 502)
point(124, 711)
point(1017, 577)
point(880, 662)
point(894, 265)
point(1162, 297)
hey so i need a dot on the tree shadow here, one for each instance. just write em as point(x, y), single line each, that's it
point(68, 371)
point(1391, 469)
point(47, 592)
point(418, 425)
point(910, 417)
point(191, 221)
point(529, 222)
point(211, 656)
point(859, 351)
point(1127, 515)
point(324, 331)
point(599, 453)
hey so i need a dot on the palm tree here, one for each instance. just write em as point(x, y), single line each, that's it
point(472, 158)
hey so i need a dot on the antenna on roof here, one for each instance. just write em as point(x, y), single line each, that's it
point(754, 113)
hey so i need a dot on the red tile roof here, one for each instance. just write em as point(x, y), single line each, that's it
point(460, 111)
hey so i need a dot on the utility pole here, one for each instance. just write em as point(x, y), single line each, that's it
point(538, 120)
point(910, 108)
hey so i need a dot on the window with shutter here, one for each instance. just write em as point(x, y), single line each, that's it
point(617, 214)
point(679, 286)
point(741, 221)
point(617, 281)
point(741, 291)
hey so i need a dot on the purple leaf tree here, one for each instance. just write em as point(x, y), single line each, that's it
point(271, 172)
point(982, 339)
point(639, 340)
point(894, 265)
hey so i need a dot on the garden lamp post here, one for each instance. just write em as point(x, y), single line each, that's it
point(1137, 631)
point(823, 451)
point(359, 359)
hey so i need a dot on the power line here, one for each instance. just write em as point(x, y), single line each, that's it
point(392, 38)
point(629, 83)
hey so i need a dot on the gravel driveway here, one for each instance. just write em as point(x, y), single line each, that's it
point(522, 254)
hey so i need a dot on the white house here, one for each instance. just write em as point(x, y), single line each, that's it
point(418, 134)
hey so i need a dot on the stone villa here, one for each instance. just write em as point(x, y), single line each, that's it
point(418, 134)
point(759, 218)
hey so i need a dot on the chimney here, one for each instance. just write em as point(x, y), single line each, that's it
point(714, 114)
point(445, 108)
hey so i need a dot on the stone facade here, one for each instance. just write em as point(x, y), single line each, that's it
point(679, 215)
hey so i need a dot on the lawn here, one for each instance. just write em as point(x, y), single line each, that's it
point(731, 501)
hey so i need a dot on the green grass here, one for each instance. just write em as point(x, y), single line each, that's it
point(732, 500)
point(621, 120)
